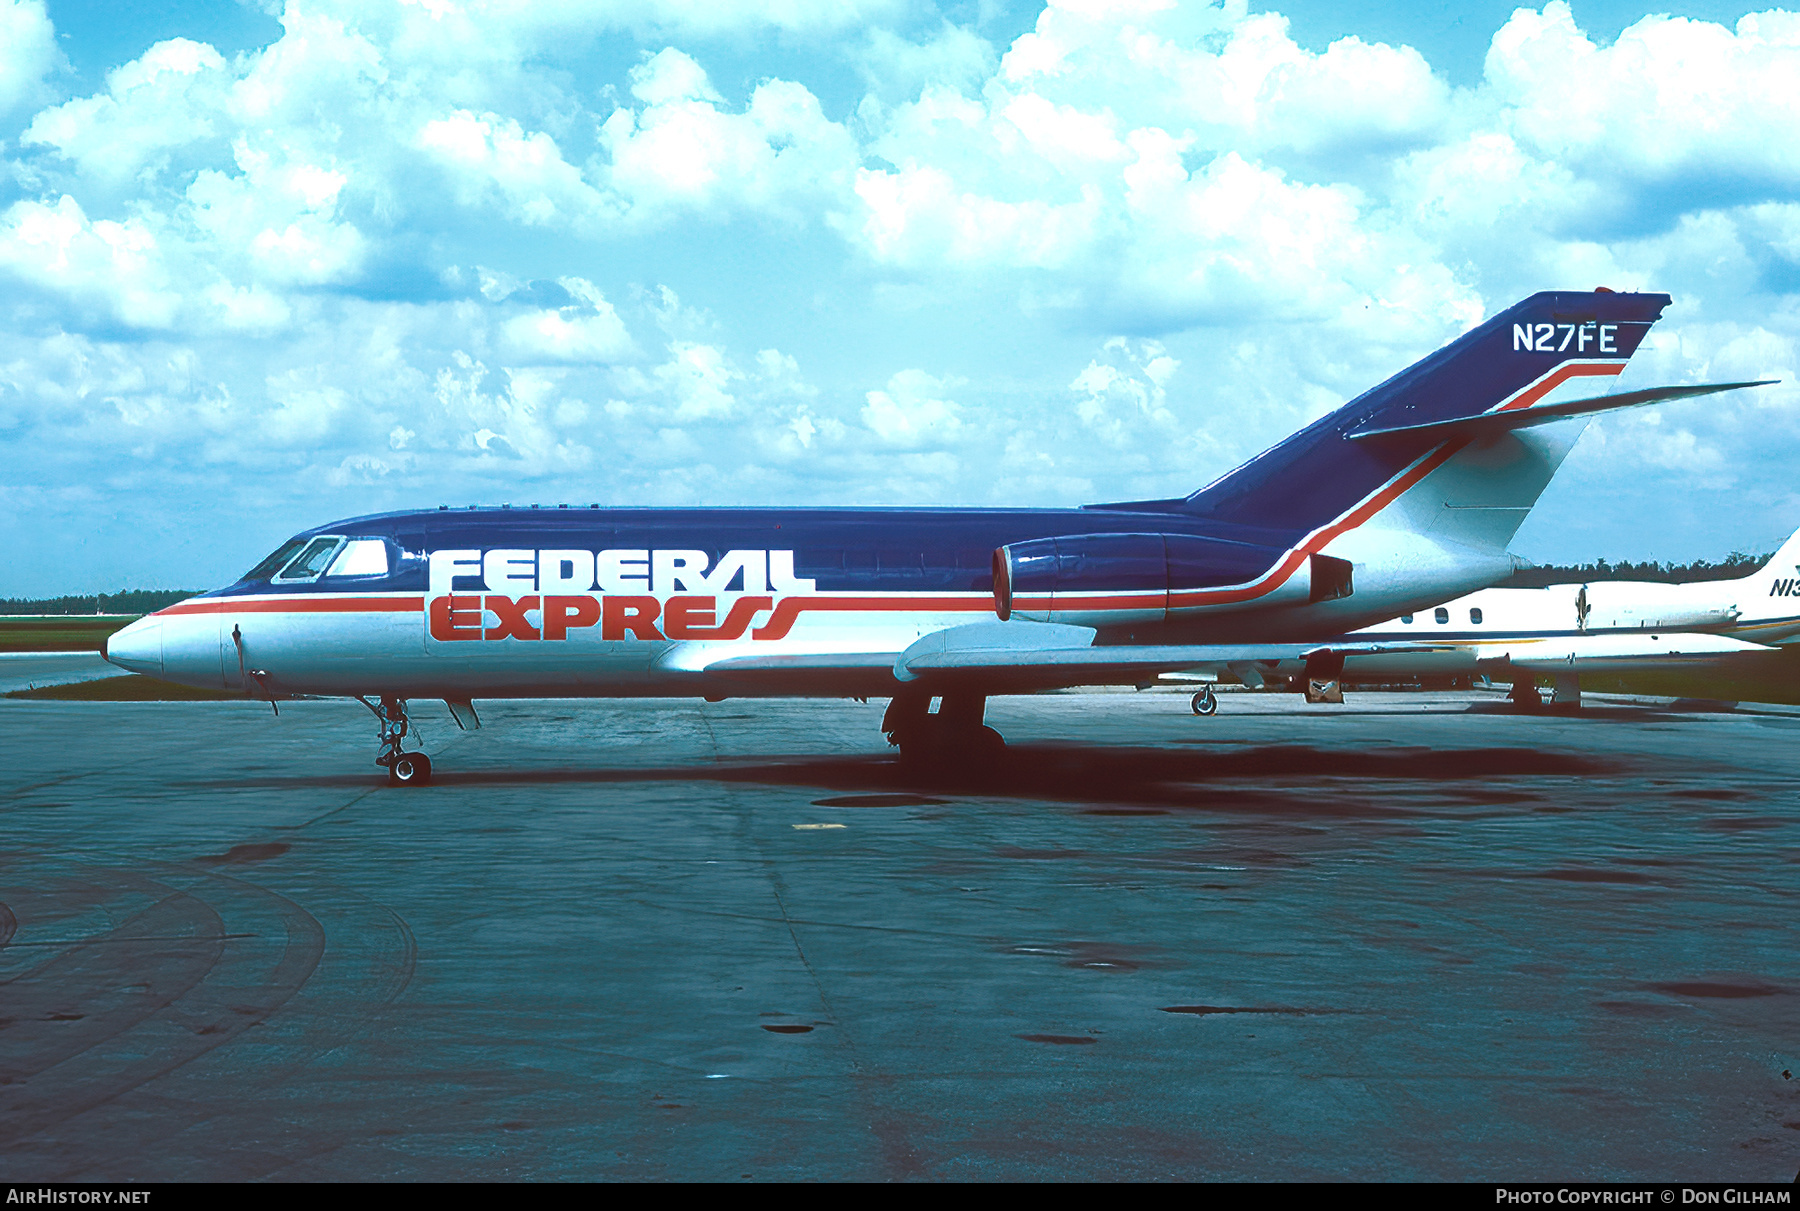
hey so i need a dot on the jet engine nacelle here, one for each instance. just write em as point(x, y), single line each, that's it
point(1114, 579)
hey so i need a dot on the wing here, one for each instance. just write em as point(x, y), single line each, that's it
point(1628, 653)
point(1002, 658)
point(1014, 657)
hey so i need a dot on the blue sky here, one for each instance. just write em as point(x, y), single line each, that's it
point(261, 267)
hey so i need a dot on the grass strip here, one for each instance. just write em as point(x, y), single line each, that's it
point(129, 687)
point(59, 633)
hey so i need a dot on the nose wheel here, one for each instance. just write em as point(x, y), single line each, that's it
point(1205, 702)
point(410, 769)
point(404, 769)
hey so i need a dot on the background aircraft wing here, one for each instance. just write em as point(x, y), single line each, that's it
point(1624, 653)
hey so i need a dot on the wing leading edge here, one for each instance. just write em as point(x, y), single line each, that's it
point(1002, 657)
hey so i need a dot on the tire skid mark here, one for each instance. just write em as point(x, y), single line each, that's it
point(201, 1016)
point(90, 993)
point(391, 972)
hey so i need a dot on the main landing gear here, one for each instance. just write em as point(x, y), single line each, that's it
point(404, 769)
point(953, 739)
point(1205, 702)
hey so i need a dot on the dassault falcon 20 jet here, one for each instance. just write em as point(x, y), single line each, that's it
point(1402, 498)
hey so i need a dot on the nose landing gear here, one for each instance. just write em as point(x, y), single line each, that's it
point(404, 769)
point(1205, 702)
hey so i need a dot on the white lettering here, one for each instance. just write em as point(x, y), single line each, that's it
point(781, 575)
point(510, 572)
point(753, 564)
point(447, 565)
point(1545, 334)
point(1586, 335)
point(623, 571)
point(1522, 338)
point(1567, 336)
point(1607, 332)
point(672, 570)
point(565, 571)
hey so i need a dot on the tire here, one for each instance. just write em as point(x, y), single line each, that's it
point(1205, 702)
point(410, 769)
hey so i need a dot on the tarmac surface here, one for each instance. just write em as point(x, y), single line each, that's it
point(1410, 937)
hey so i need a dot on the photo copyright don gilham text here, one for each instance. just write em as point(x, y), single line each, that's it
point(1644, 1196)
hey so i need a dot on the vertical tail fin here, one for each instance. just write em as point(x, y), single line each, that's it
point(1550, 345)
point(1773, 590)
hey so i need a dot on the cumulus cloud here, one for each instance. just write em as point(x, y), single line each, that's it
point(1670, 97)
point(491, 154)
point(588, 330)
point(912, 412)
point(685, 151)
point(27, 52)
point(665, 252)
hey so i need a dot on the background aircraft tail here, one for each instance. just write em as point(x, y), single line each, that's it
point(1773, 590)
point(1394, 451)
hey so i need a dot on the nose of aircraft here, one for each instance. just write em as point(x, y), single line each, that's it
point(138, 647)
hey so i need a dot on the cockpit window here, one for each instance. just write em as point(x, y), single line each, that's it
point(273, 563)
point(313, 560)
point(361, 557)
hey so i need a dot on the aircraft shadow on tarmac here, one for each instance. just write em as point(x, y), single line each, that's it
point(1284, 778)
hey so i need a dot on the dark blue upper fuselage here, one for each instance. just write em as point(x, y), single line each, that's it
point(897, 550)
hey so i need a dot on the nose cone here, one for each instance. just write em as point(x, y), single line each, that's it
point(138, 647)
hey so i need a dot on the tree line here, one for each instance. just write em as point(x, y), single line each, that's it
point(125, 601)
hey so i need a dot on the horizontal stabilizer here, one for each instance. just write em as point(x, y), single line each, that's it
point(1489, 424)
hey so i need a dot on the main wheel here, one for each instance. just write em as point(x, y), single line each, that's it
point(410, 769)
point(1205, 702)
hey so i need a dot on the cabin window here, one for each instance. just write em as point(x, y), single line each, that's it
point(276, 561)
point(1475, 615)
point(1441, 614)
point(311, 561)
point(1406, 618)
point(361, 557)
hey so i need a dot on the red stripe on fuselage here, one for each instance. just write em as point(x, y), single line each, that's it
point(788, 609)
point(296, 605)
point(1384, 496)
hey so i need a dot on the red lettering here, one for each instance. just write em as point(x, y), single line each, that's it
point(634, 614)
point(689, 617)
point(456, 618)
point(782, 620)
point(561, 613)
point(735, 624)
point(513, 624)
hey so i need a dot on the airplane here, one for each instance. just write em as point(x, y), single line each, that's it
point(1612, 626)
point(1402, 498)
